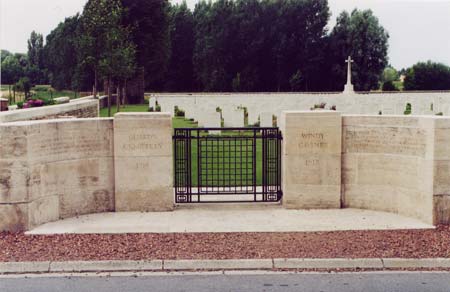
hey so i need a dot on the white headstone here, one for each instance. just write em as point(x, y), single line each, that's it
point(152, 102)
point(237, 118)
point(233, 117)
point(252, 117)
point(227, 115)
point(212, 120)
point(265, 119)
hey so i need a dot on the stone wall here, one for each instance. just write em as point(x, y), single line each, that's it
point(387, 164)
point(398, 164)
point(388, 103)
point(441, 169)
point(53, 169)
point(79, 108)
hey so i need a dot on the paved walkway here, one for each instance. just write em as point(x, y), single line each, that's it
point(231, 218)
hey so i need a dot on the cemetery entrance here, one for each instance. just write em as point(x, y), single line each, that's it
point(227, 165)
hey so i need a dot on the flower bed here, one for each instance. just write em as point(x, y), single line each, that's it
point(35, 102)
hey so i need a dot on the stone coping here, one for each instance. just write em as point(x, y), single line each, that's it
point(193, 94)
point(27, 114)
point(142, 115)
point(57, 120)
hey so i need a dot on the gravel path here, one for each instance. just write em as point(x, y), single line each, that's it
point(353, 244)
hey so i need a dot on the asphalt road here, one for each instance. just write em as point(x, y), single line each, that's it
point(375, 281)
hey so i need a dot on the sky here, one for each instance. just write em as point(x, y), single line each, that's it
point(419, 29)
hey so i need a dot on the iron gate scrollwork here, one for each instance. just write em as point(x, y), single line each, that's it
point(227, 165)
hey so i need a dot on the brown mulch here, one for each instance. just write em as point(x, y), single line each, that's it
point(337, 244)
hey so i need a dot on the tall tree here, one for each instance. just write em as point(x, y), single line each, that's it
point(150, 33)
point(96, 20)
point(35, 48)
point(360, 36)
point(35, 70)
point(115, 58)
point(180, 71)
point(60, 53)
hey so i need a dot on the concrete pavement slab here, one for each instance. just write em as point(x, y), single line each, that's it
point(237, 218)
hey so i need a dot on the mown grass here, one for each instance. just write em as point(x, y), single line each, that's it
point(125, 108)
point(229, 156)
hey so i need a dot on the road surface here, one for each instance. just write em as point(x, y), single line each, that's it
point(233, 281)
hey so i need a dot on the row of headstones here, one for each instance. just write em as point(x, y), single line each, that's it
point(231, 118)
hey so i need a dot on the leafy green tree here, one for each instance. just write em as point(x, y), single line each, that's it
point(117, 53)
point(262, 42)
point(11, 70)
point(36, 71)
point(389, 74)
point(360, 36)
point(149, 21)
point(94, 24)
point(4, 54)
point(180, 71)
point(213, 39)
point(61, 57)
point(35, 47)
point(427, 76)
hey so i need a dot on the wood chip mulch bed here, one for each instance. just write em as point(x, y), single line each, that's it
point(337, 244)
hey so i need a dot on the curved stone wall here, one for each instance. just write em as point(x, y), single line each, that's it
point(397, 164)
point(53, 169)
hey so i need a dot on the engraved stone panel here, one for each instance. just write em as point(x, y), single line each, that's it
point(394, 140)
point(143, 162)
point(311, 159)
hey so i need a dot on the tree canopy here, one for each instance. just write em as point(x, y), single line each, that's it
point(223, 45)
point(427, 76)
point(360, 36)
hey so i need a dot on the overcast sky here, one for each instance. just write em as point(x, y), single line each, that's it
point(419, 29)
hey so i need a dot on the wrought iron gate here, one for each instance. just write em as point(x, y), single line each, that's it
point(227, 165)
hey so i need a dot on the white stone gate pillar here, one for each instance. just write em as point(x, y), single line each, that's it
point(143, 162)
point(311, 159)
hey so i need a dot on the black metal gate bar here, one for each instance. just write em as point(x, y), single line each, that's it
point(221, 165)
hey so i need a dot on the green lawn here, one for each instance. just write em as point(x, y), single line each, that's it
point(126, 108)
point(54, 94)
point(227, 161)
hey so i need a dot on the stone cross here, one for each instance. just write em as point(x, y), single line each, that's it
point(349, 86)
point(349, 70)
